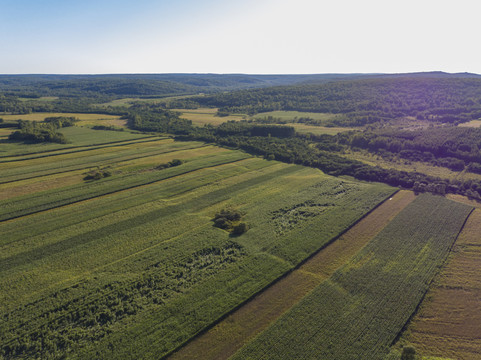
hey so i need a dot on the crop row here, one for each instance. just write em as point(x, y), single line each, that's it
point(359, 311)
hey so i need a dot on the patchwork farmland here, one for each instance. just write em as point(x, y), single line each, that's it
point(130, 265)
point(360, 310)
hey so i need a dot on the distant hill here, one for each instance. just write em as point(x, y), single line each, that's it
point(172, 84)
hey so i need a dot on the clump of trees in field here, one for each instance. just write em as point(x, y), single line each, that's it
point(174, 162)
point(35, 132)
point(97, 174)
point(230, 219)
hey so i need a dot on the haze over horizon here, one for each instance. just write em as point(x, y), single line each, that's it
point(252, 37)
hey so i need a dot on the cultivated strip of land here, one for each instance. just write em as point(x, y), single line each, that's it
point(359, 311)
point(225, 338)
point(449, 321)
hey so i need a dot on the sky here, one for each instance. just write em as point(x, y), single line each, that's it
point(247, 36)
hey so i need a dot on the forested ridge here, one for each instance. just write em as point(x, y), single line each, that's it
point(360, 102)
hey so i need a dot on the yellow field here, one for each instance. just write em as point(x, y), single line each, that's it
point(290, 115)
point(205, 116)
point(5, 132)
point(85, 119)
point(318, 130)
point(472, 123)
point(43, 98)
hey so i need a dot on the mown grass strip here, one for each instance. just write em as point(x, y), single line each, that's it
point(359, 311)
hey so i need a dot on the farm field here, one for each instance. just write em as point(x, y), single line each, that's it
point(204, 116)
point(472, 123)
point(131, 265)
point(449, 323)
point(234, 331)
point(291, 115)
point(77, 137)
point(318, 130)
point(42, 116)
point(359, 311)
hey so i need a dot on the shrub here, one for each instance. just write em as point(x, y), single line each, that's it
point(409, 353)
point(240, 228)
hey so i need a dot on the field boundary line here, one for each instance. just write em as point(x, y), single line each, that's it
point(275, 281)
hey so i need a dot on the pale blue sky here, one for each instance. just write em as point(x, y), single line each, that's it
point(249, 36)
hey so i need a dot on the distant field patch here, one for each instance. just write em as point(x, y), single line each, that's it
point(42, 116)
point(290, 115)
point(85, 119)
point(42, 98)
point(205, 116)
point(318, 130)
point(449, 321)
point(472, 123)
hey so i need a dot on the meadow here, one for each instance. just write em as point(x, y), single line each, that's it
point(130, 265)
point(207, 116)
point(360, 310)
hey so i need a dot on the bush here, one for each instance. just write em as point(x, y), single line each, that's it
point(409, 353)
point(222, 223)
point(229, 219)
point(240, 229)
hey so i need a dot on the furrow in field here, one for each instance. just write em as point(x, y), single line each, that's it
point(229, 335)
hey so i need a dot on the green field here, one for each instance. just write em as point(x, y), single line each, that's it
point(131, 266)
point(76, 136)
point(291, 115)
point(360, 310)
